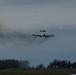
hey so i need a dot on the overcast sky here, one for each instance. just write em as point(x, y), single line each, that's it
point(23, 14)
point(56, 16)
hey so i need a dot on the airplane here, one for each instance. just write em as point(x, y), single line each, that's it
point(43, 34)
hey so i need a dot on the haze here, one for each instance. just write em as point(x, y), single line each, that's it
point(58, 17)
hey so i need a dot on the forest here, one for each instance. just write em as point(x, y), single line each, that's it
point(25, 64)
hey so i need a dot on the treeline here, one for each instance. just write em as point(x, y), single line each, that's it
point(11, 63)
point(62, 64)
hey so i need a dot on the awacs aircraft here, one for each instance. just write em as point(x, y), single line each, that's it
point(43, 34)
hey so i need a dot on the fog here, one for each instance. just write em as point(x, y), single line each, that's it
point(19, 19)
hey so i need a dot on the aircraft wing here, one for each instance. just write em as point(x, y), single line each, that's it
point(49, 35)
point(36, 35)
point(43, 35)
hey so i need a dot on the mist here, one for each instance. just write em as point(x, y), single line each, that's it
point(19, 19)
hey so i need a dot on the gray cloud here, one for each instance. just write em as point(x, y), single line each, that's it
point(29, 16)
point(33, 1)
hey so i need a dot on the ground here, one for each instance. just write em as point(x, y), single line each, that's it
point(37, 71)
